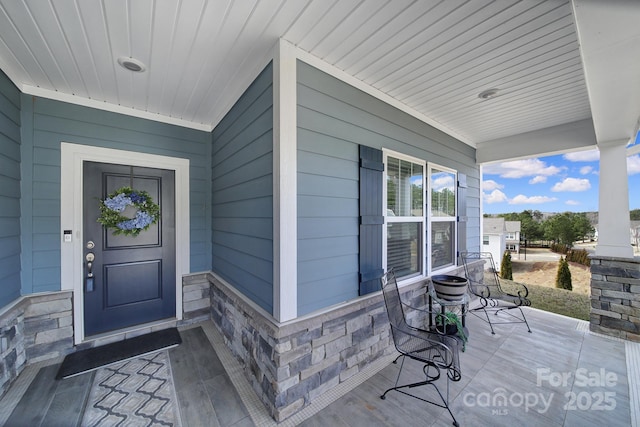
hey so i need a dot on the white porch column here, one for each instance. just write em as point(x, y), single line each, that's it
point(613, 222)
point(285, 188)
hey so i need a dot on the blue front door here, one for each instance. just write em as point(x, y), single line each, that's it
point(132, 279)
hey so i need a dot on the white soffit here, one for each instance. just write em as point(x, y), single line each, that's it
point(429, 56)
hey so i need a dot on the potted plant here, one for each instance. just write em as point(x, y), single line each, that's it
point(449, 323)
point(449, 288)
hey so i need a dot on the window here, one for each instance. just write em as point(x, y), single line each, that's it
point(442, 216)
point(404, 215)
point(419, 240)
point(510, 236)
point(511, 247)
point(485, 240)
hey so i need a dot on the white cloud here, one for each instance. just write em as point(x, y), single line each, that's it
point(521, 169)
point(496, 196)
point(572, 202)
point(583, 156)
point(538, 179)
point(586, 170)
point(572, 184)
point(489, 185)
point(633, 164)
point(443, 182)
point(521, 199)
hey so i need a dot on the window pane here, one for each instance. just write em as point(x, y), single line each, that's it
point(443, 193)
point(404, 188)
point(402, 247)
point(442, 244)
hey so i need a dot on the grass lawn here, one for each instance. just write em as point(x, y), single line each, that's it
point(558, 301)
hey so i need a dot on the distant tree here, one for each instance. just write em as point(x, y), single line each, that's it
point(506, 269)
point(563, 276)
point(416, 196)
point(582, 226)
point(530, 225)
point(537, 215)
point(559, 228)
point(443, 200)
point(634, 214)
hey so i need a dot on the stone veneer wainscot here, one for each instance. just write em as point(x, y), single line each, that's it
point(34, 328)
point(615, 297)
point(290, 364)
point(40, 326)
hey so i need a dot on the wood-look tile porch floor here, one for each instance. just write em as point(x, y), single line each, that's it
point(559, 375)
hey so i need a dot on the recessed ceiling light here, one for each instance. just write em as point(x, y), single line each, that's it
point(131, 64)
point(488, 94)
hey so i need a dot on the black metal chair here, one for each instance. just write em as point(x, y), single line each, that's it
point(484, 283)
point(437, 352)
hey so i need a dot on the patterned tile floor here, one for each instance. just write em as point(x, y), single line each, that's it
point(184, 386)
point(211, 389)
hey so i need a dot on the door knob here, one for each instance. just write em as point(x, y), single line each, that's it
point(89, 284)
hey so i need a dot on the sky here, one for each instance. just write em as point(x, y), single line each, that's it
point(559, 183)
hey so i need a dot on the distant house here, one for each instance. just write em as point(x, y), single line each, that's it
point(500, 235)
point(635, 233)
point(494, 238)
point(512, 236)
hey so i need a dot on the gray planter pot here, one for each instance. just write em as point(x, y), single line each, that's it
point(450, 288)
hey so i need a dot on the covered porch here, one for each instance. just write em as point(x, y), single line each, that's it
point(265, 107)
point(560, 375)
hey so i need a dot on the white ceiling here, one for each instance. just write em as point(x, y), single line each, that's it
point(434, 57)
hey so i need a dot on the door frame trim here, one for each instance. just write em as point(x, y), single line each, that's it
point(71, 189)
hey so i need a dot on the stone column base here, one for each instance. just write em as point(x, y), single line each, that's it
point(615, 297)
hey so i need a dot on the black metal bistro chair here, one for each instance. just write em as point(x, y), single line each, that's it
point(484, 283)
point(437, 352)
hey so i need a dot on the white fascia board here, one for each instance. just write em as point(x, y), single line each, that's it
point(633, 150)
point(608, 37)
point(128, 111)
point(318, 63)
point(574, 136)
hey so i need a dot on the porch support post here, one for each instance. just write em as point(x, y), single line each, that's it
point(285, 236)
point(613, 222)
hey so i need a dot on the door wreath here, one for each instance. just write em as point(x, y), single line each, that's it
point(113, 207)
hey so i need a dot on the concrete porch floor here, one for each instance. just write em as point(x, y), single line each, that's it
point(559, 375)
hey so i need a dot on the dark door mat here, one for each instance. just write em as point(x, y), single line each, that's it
point(97, 357)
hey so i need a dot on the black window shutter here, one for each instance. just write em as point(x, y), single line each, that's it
point(462, 214)
point(371, 219)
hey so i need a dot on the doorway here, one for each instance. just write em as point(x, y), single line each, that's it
point(73, 243)
point(129, 279)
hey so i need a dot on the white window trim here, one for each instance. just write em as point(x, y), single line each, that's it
point(418, 219)
point(431, 219)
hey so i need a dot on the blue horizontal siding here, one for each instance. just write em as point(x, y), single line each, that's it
point(242, 193)
point(10, 193)
point(47, 123)
point(261, 228)
point(334, 118)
